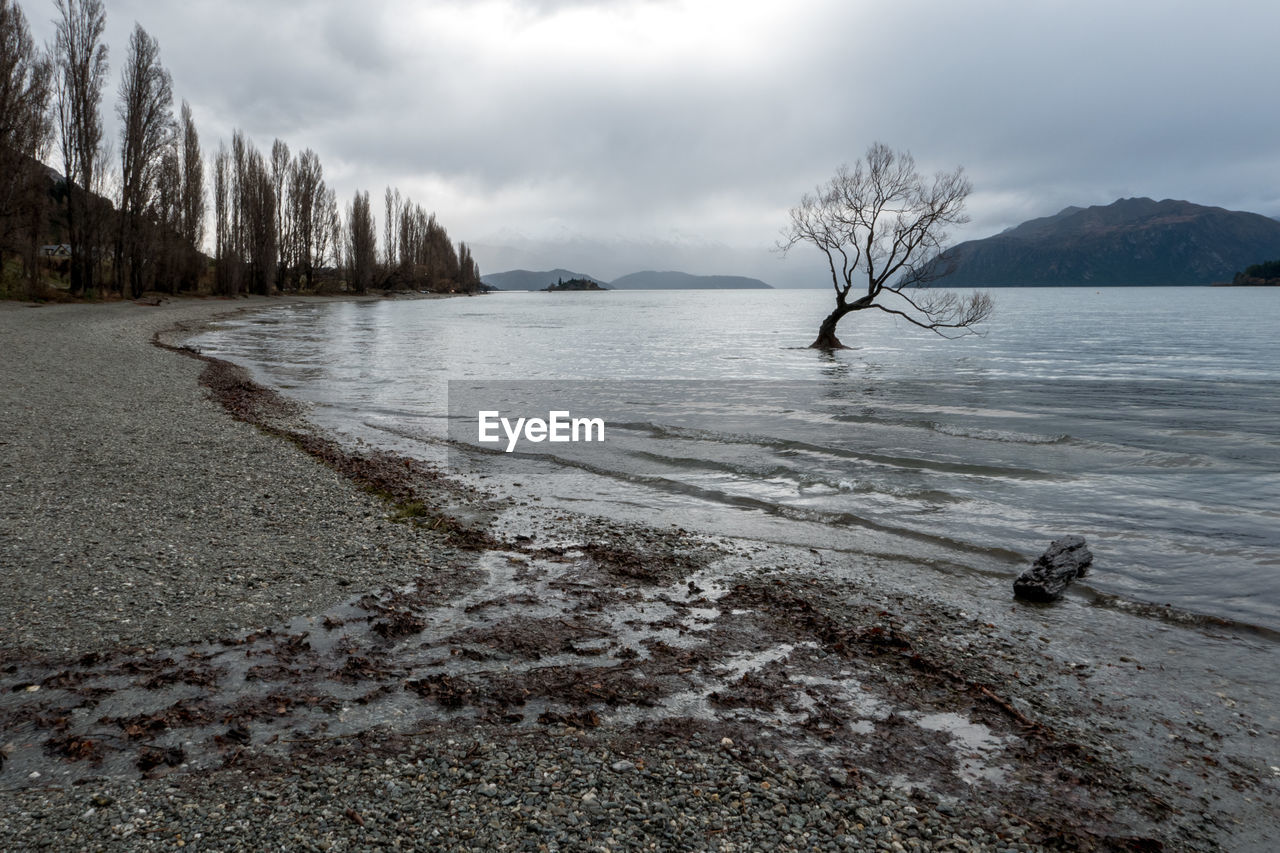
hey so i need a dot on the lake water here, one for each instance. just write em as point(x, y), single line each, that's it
point(1145, 419)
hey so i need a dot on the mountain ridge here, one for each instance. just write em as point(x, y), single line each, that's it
point(674, 280)
point(1132, 241)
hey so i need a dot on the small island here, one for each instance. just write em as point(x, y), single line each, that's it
point(573, 284)
point(1258, 275)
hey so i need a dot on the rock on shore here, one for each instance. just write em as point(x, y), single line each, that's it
point(1062, 562)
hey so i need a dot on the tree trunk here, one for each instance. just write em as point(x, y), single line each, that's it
point(73, 222)
point(827, 331)
point(122, 266)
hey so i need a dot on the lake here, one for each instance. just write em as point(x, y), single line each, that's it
point(1145, 419)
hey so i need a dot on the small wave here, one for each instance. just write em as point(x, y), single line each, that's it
point(1177, 615)
point(1007, 436)
point(1164, 459)
point(927, 496)
point(804, 483)
point(790, 446)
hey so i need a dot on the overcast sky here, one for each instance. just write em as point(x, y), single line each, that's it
point(618, 135)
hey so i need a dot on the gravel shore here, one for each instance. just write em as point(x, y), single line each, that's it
point(137, 513)
point(221, 630)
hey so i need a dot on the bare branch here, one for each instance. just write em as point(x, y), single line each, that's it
point(964, 316)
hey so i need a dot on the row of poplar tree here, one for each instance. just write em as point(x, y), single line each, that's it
point(276, 224)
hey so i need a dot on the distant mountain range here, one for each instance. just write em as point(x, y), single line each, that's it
point(647, 280)
point(650, 280)
point(1133, 241)
point(529, 280)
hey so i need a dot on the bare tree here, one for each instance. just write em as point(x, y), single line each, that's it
point(439, 256)
point(165, 249)
point(257, 205)
point(193, 200)
point(362, 243)
point(239, 159)
point(306, 197)
point(147, 135)
point(327, 233)
point(192, 205)
point(882, 229)
point(285, 241)
point(468, 270)
point(425, 257)
point(82, 70)
point(226, 261)
point(411, 227)
point(393, 206)
point(25, 79)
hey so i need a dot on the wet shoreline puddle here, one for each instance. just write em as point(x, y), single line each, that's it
point(541, 637)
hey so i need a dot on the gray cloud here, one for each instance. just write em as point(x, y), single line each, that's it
point(680, 132)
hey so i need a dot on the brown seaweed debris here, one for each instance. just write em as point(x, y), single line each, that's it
point(236, 735)
point(532, 638)
point(647, 555)
point(448, 692)
point(357, 668)
point(399, 623)
point(612, 686)
point(178, 715)
point(574, 719)
point(391, 477)
point(151, 757)
point(277, 704)
point(750, 691)
point(882, 639)
point(75, 748)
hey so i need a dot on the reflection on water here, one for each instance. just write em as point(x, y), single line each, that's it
point(1146, 419)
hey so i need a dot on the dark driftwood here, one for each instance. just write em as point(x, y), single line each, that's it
point(1065, 560)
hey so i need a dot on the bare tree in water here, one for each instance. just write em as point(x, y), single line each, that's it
point(883, 228)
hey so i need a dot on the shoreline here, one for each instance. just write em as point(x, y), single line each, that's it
point(96, 440)
point(868, 666)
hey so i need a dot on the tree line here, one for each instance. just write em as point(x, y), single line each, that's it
point(136, 222)
point(1267, 272)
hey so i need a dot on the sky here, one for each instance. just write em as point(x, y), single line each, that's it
point(617, 135)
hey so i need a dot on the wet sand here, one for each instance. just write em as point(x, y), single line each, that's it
point(210, 606)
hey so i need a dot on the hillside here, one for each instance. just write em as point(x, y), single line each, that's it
point(650, 280)
point(531, 280)
point(1134, 241)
